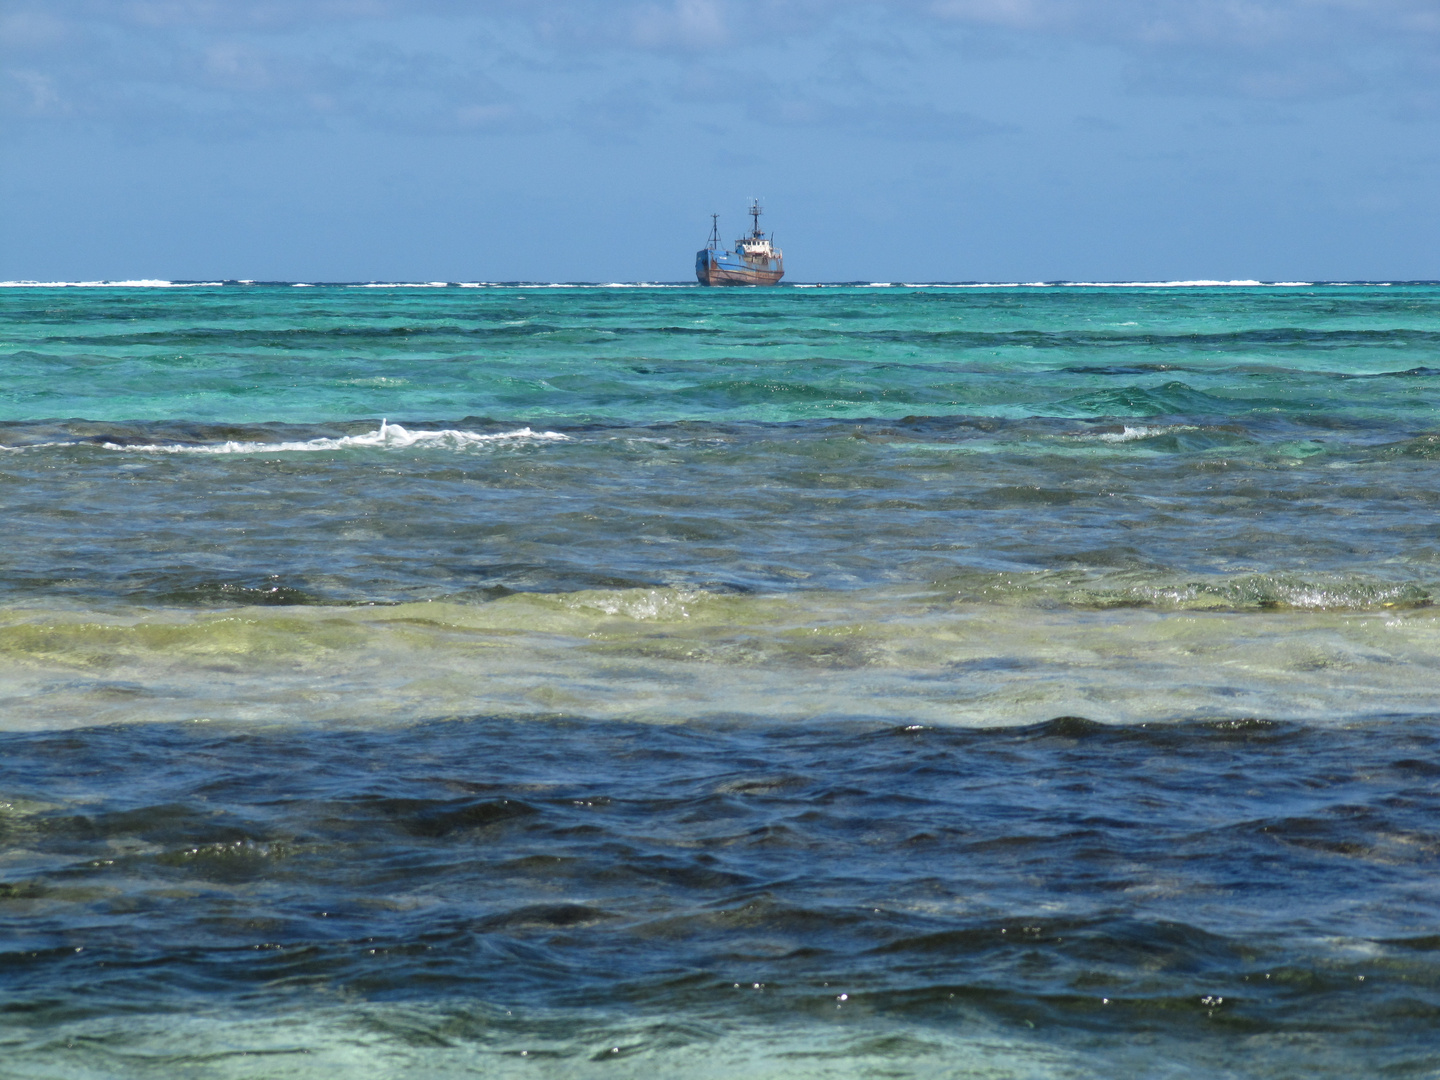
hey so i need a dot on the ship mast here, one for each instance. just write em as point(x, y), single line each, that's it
point(755, 213)
point(714, 242)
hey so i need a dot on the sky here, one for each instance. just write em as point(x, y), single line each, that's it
point(581, 140)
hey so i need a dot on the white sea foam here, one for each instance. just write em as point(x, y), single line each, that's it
point(149, 283)
point(401, 285)
point(34, 446)
point(1141, 431)
point(1196, 284)
point(387, 436)
point(563, 285)
point(145, 283)
point(51, 284)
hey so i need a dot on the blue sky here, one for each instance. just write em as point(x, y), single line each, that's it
point(578, 140)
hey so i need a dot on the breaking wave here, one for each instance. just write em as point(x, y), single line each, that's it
point(1199, 283)
point(386, 437)
point(140, 283)
point(1142, 431)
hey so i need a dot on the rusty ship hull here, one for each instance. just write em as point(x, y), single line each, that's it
point(710, 271)
point(755, 260)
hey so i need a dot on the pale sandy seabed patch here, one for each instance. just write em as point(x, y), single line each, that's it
point(368, 1040)
point(665, 655)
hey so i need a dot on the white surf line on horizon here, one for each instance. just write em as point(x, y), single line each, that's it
point(160, 283)
point(145, 283)
point(1199, 283)
point(1191, 284)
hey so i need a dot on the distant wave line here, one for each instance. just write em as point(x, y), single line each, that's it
point(1195, 283)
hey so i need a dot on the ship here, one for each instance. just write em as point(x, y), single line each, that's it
point(755, 259)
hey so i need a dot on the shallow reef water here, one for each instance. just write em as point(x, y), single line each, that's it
point(830, 682)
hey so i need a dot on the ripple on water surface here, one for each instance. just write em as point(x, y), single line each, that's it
point(1251, 898)
point(752, 613)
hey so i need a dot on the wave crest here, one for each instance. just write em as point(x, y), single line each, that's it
point(387, 436)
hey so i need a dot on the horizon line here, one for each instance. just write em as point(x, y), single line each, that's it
point(192, 283)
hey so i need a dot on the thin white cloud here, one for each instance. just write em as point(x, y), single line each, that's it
point(1233, 23)
point(1262, 49)
point(502, 65)
point(695, 24)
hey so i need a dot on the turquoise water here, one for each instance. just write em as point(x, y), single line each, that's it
point(843, 681)
point(612, 355)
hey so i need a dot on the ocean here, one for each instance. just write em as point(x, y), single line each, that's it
point(627, 681)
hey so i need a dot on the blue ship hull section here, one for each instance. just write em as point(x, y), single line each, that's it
point(731, 268)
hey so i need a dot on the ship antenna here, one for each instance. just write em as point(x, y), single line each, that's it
point(755, 212)
point(714, 232)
